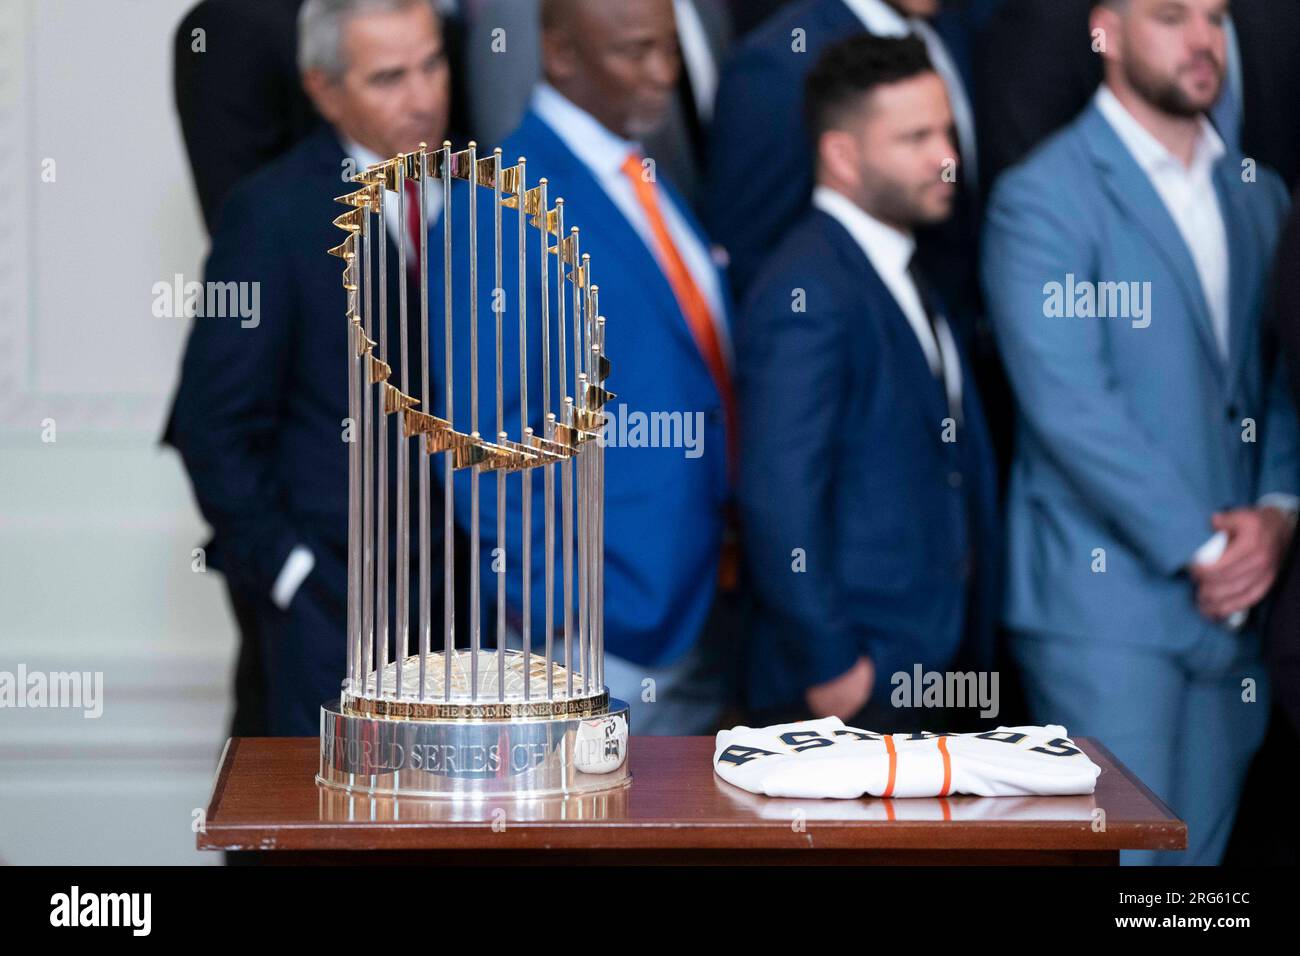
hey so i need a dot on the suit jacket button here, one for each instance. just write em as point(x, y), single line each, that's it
point(1232, 413)
point(954, 479)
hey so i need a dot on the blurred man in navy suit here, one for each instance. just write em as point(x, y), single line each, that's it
point(260, 411)
point(868, 483)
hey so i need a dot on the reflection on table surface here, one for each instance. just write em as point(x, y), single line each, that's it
point(338, 806)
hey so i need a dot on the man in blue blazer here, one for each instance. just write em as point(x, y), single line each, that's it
point(610, 72)
point(260, 410)
point(868, 489)
point(1126, 266)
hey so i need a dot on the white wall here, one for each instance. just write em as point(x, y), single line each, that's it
point(97, 527)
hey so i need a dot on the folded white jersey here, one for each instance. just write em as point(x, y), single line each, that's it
point(826, 758)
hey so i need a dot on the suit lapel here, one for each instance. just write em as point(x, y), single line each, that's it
point(1135, 197)
point(1242, 259)
point(871, 290)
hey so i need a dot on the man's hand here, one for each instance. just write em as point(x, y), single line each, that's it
point(845, 695)
point(1258, 539)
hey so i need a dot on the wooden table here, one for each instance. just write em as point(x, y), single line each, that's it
point(265, 803)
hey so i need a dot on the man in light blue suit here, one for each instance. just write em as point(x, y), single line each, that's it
point(1152, 494)
point(611, 71)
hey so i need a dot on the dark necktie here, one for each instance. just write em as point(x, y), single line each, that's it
point(927, 303)
point(932, 315)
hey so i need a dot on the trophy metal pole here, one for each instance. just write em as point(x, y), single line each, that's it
point(498, 306)
point(589, 487)
point(475, 585)
point(368, 462)
point(448, 511)
point(599, 354)
point(566, 531)
point(593, 363)
point(583, 528)
point(548, 432)
point(580, 405)
point(354, 471)
point(566, 467)
point(525, 433)
point(587, 532)
point(403, 622)
point(381, 482)
point(425, 598)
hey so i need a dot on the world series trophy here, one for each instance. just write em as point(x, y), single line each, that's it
point(476, 721)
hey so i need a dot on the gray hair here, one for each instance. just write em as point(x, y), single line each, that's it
point(320, 30)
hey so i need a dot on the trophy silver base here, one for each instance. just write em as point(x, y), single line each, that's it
point(422, 757)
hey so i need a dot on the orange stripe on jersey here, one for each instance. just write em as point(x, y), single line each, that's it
point(947, 765)
point(893, 765)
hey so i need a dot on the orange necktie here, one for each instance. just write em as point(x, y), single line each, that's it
point(695, 308)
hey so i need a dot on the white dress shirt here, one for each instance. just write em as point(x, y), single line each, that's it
point(603, 153)
point(296, 568)
point(890, 252)
point(882, 20)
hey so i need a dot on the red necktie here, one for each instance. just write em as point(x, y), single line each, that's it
point(414, 229)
